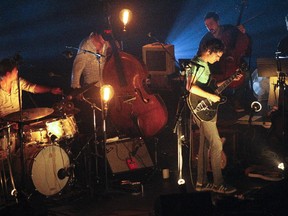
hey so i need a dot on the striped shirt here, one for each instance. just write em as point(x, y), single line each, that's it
point(86, 67)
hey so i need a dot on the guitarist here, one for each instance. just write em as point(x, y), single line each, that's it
point(237, 45)
point(198, 76)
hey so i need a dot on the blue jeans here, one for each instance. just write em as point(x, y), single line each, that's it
point(209, 137)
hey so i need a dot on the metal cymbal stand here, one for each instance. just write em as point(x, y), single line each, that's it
point(281, 83)
point(20, 136)
point(4, 178)
point(96, 154)
point(14, 190)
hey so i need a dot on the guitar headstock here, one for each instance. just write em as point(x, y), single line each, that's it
point(242, 4)
point(243, 67)
point(241, 8)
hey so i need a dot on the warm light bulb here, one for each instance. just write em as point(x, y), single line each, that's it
point(125, 16)
point(281, 166)
point(106, 92)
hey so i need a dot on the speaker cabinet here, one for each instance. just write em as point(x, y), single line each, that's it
point(184, 204)
point(159, 58)
point(127, 155)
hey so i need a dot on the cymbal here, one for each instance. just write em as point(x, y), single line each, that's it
point(64, 107)
point(29, 114)
point(59, 113)
point(82, 90)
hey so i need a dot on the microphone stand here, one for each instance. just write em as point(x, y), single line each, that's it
point(98, 55)
point(94, 108)
point(180, 108)
point(178, 130)
point(164, 48)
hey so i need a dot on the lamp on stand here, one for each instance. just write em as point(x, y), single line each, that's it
point(125, 17)
point(106, 93)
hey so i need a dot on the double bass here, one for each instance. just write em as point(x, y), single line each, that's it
point(237, 46)
point(133, 110)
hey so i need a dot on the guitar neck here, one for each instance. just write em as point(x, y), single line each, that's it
point(227, 82)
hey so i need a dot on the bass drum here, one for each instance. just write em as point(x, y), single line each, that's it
point(43, 168)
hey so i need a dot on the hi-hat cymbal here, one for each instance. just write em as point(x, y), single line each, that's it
point(29, 114)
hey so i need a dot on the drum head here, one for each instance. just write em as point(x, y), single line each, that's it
point(45, 168)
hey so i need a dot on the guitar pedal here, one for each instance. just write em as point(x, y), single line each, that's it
point(131, 163)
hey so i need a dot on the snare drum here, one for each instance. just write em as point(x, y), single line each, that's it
point(44, 167)
point(36, 136)
point(63, 128)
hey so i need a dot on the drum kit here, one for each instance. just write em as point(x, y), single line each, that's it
point(34, 154)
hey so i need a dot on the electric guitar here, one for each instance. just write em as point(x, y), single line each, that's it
point(205, 109)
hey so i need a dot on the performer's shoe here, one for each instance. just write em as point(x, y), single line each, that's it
point(224, 189)
point(204, 187)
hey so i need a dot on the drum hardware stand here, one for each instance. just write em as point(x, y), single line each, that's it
point(21, 138)
point(13, 192)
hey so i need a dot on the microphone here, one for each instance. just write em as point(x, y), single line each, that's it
point(65, 172)
point(67, 54)
point(86, 51)
point(187, 65)
point(195, 64)
point(52, 74)
point(256, 106)
point(151, 36)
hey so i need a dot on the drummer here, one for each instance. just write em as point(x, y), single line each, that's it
point(9, 91)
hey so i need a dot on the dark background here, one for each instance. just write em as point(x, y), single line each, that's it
point(40, 30)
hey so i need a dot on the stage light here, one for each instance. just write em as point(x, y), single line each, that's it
point(281, 166)
point(256, 106)
point(181, 182)
point(107, 93)
point(125, 16)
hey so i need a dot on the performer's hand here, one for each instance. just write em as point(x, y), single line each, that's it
point(238, 77)
point(214, 98)
point(79, 97)
point(56, 91)
point(241, 29)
